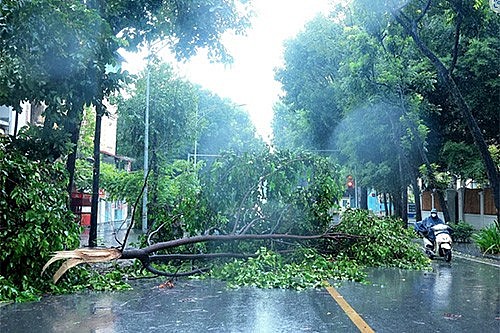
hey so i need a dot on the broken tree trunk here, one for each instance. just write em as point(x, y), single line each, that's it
point(147, 254)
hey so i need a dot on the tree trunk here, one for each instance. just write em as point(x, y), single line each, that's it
point(386, 208)
point(416, 194)
point(398, 204)
point(16, 124)
point(363, 197)
point(404, 207)
point(147, 255)
point(74, 121)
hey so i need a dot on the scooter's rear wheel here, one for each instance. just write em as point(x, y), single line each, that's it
point(447, 256)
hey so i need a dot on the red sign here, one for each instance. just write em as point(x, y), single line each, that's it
point(80, 199)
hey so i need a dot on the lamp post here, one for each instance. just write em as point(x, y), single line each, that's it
point(146, 150)
point(146, 137)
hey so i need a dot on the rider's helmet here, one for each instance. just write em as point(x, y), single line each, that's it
point(434, 212)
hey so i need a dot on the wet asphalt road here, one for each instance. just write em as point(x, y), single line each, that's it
point(463, 296)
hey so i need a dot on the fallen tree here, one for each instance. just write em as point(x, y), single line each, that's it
point(147, 256)
point(243, 229)
point(273, 208)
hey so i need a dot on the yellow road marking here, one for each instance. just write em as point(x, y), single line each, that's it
point(351, 313)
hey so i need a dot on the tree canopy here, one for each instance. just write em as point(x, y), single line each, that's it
point(416, 80)
point(64, 54)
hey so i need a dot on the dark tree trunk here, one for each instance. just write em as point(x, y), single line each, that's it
point(416, 194)
point(404, 207)
point(74, 121)
point(432, 181)
point(403, 192)
point(363, 197)
point(398, 204)
point(386, 208)
point(95, 177)
point(16, 124)
point(443, 204)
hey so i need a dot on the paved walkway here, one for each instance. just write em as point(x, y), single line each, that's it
point(471, 249)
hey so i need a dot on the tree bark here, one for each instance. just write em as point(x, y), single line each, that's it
point(386, 208)
point(416, 194)
point(74, 121)
point(95, 178)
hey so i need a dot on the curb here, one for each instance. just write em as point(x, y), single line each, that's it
point(486, 257)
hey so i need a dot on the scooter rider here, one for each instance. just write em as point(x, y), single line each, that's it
point(425, 227)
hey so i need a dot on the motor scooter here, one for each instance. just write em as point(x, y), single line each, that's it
point(442, 241)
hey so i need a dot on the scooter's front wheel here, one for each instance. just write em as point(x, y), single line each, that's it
point(447, 256)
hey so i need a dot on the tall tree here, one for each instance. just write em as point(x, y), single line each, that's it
point(172, 116)
point(378, 61)
point(413, 17)
point(291, 128)
point(311, 64)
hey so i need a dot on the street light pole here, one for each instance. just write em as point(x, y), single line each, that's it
point(146, 137)
point(196, 135)
point(146, 150)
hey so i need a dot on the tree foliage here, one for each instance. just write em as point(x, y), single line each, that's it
point(280, 192)
point(383, 241)
point(223, 126)
point(369, 58)
point(65, 53)
point(379, 242)
point(34, 220)
point(311, 64)
point(172, 108)
point(254, 193)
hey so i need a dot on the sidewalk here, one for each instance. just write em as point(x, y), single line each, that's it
point(471, 249)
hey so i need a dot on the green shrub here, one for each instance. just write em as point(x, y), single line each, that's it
point(488, 239)
point(462, 232)
point(34, 222)
point(34, 218)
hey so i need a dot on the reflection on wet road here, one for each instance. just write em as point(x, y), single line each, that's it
point(191, 306)
point(459, 297)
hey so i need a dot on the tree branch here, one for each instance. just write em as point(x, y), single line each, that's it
point(133, 213)
point(147, 258)
point(237, 237)
point(424, 11)
point(457, 40)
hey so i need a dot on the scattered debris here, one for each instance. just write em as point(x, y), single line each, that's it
point(169, 284)
point(452, 316)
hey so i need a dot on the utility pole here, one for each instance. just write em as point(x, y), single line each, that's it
point(95, 176)
point(146, 149)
